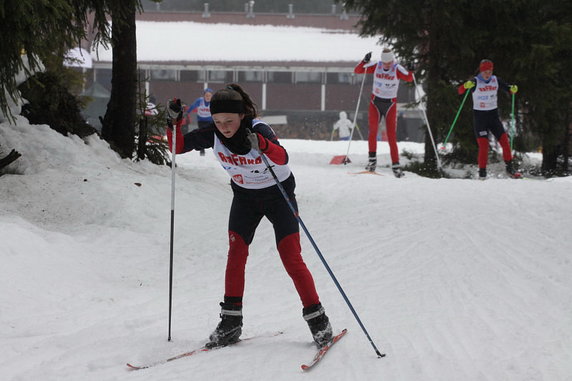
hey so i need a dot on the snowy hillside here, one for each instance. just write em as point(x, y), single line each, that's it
point(454, 279)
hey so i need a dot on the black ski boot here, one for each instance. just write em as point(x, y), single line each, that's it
point(372, 162)
point(397, 171)
point(512, 172)
point(482, 173)
point(229, 329)
point(319, 324)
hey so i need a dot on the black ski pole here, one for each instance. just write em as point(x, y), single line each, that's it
point(285, 195)
point(173, 115)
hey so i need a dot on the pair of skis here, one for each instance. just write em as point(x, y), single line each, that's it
point(365, 173)
point(305, 367)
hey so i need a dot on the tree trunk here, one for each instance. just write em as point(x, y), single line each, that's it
point(555, 145)
point(433, 76)
point(9, 159)
point(430, 159)
point(567, 143)
point(549, 161)
point(120, 118)
point(143, 136)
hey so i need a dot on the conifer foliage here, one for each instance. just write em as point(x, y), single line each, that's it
point(530, 42)
point(36, 30)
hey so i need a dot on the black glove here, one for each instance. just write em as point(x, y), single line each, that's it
point(367, 57)
point(175, 109)
point(410, 66)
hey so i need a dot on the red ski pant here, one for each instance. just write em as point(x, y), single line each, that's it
point(378, 108)
point(245, 215)
point(484, 150)
point(290, 254)
point(485, 121)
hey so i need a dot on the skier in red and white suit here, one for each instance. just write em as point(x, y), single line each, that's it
point(387, 74)
point(238, 139)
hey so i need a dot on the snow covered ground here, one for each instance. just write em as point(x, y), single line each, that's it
point(454, 279)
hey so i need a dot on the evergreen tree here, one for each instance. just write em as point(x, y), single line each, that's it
point(44, 31)
point(545, 70)
point(36, 30)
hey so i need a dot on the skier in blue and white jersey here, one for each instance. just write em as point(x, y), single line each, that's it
point(202, 105)
point(484, 87)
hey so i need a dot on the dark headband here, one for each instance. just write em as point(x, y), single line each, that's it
point(227, 106)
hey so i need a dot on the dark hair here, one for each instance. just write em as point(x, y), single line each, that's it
point(233, 92)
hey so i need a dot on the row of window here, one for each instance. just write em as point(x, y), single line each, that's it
point(226, 76)
point(103, 76)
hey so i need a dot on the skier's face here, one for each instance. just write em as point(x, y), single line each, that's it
point(486, 74)
point(386, 65)
point(208, 96)
point(227, 123)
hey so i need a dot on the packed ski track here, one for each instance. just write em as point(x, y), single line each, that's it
point(454, 279)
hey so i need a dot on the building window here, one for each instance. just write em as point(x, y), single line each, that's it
point(250, 76)
point(279, 77)
point(192, 76)
point(340, 78)
point(308, 77)
point(220, 76)
point(103, 77)
point(164, 75)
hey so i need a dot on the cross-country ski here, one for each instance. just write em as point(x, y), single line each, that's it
point(365, 173)
point(323, 350)
point(194, 352)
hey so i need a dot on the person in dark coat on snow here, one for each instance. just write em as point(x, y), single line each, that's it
point(484, 87)
point(238, 139)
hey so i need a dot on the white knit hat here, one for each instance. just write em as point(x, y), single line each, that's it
point(387, 57)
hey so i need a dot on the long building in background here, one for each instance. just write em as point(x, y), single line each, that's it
point(298, 68)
